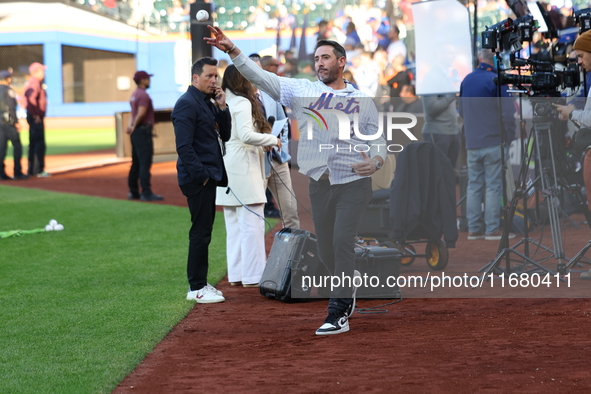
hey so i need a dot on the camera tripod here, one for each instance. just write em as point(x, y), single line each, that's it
point(543, 147)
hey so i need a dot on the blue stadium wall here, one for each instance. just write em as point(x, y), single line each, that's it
point(155, 57)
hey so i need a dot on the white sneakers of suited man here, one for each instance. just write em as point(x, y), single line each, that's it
point(54, 226)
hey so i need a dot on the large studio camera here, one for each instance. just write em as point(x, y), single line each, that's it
point(583, 19)
point(544, 79)
point(534, 77)
point(508, 35)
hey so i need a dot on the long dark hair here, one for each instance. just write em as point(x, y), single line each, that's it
point(240, 86)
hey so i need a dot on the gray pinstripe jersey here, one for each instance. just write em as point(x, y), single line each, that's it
point(319, 110)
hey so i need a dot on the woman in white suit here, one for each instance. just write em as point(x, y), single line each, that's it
point(244, 199)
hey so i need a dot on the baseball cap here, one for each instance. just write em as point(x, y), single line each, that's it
point(36, 66)
point(5, 74)
point(141, 75)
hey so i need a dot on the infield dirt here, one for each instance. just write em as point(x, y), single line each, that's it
point(420, 345)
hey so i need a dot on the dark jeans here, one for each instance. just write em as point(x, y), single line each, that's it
point(337, 211)
point(9, 133)
point(36, 146)
point(201, 201)
point(142, 151)
point(448, 143)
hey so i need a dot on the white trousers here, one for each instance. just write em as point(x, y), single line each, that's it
point(245, 243)
point(279, 182)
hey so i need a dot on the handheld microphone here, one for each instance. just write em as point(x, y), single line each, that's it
point(271, 121)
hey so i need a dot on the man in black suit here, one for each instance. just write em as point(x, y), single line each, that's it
point(202, 124)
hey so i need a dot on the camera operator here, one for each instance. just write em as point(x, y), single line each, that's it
point(583, 49)
point(480, 110)
point(582, 116)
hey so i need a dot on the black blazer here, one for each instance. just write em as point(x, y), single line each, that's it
point(197, 144)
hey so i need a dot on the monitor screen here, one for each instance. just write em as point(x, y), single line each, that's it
point(443, 46)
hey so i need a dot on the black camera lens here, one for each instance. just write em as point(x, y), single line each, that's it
point(542, 109)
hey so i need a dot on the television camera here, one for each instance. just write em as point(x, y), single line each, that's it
point(542, 78)
point(583, 19)
point(536, 78)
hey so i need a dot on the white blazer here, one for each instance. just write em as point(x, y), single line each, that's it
point(244, 159)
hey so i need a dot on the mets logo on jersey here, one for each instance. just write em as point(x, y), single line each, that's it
point(347, 114)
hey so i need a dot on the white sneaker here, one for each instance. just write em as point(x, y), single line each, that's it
point(213, 289)
point(335, 323)
point(205, 296)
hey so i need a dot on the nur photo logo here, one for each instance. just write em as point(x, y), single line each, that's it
point(323, 111)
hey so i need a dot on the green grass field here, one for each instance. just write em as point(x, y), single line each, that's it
point(71, 141)
point(82, 307)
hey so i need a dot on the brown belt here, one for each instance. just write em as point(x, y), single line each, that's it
point(324, 177)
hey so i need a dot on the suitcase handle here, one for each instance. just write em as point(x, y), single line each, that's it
point(288, 230)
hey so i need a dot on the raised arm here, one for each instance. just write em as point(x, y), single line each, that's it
point(264, 80)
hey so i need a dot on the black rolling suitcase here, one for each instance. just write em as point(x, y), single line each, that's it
point(379, 269)
point(294, 253)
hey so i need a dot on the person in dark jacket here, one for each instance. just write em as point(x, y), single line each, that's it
point(480, 109)
point(202, 124)
point(582, 116)
point(9, 127)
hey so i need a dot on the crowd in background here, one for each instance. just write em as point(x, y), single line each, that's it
point(142, 12)
point(379, 61)
point(376, 34)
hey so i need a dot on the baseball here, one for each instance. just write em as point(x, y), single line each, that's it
point(202, 15)
point(52, 222)
point(48, 228)
point(58, 227)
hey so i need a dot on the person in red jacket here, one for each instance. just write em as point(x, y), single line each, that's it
point(36, 102)
point(142, 145)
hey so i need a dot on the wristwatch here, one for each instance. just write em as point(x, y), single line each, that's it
point(378, 164)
